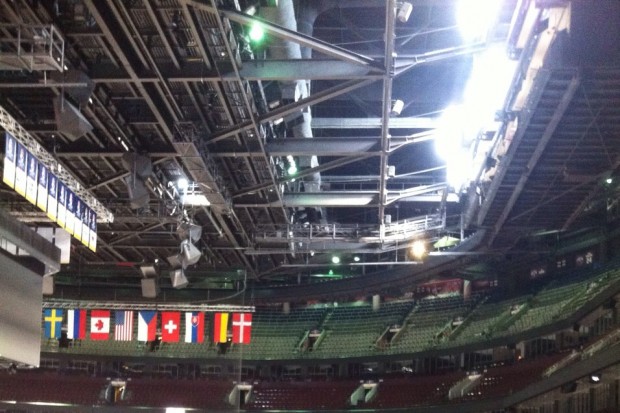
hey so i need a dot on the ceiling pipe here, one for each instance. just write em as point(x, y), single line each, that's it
point(284, 15)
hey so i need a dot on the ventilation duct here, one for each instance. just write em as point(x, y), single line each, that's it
point(69, 121)
point(140, 168)
point(138, 193)
point(284, 15)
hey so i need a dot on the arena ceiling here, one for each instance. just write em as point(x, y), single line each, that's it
point(221, 124)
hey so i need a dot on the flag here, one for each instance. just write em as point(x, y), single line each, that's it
point(220, 327)
point(76, 324)
point(194, 327)
point(99, 324)
point(170, 326)
point(53, 322)
point(124, 325)
point(242, 328)
point(147, 325)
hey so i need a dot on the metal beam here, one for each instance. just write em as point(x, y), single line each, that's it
point(374, 123)
point(296, 37)
point(334, 199)
point(282, 111)
point(386, 106)
point(538, 151)
point(306, 172)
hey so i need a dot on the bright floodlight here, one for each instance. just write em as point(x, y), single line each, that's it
point(418, 249)
point(257, 32)
point(175, 410)
point(335, 259)
point(292, 170)
point(475, 17)
point(182, 184)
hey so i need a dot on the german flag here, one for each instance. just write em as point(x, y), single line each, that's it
point(220, 327)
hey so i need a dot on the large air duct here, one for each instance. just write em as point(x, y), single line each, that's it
point(284, 15)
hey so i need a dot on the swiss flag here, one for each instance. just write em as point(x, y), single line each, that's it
point(170, 326)
point(242, 328)
point(99, 324)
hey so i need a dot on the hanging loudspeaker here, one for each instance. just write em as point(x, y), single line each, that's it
point(178, 278)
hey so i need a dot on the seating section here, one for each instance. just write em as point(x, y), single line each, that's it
point(276, 335)
point(353, 330)
point(502, 380)
point(203, 394)
point(414, 391)
point(486, 319)
point(51, 387)
point(302, 395)
point(561, 298)
point(426, 321)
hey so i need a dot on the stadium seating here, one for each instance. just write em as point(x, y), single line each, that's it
point(414, 391)
point(301, 395)
point(353, 330)
point(426, 321)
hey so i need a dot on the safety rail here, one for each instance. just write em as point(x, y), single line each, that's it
point(31, 47)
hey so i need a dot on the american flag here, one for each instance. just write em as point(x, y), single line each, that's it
point(124, 326)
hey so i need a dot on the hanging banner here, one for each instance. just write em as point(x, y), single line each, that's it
point(77, 222)
point(52, 192)
point(62, 204)
point(10, 153)
point(42, 189)
point(92, 242)
point(31, 179)
point(20, 170)
point(70, 216)
point(85, 224)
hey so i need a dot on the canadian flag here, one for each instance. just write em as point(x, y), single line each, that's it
point(99, 324)
point(242, 328)
point(170, 327)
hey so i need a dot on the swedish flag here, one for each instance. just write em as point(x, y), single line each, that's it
point(53, 322)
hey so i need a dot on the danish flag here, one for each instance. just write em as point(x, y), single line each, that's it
point(242, 328)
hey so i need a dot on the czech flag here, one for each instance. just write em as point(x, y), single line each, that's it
point(147, 325)
point(194, 327)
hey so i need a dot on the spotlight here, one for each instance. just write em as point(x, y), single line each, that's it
point(609, 181)
point(257, 32)
point(335, 259)
point(418, 249)
point(178, 278)
point(356, 258)
point(595, 378)
point(404, 11)
point(182, 184)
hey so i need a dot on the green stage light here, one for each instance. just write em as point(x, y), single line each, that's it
point(256, 32)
